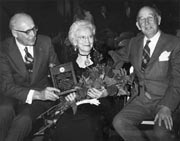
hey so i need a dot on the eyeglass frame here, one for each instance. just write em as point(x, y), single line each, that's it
point(149, 19)
point(85, 37)
point(27, 32)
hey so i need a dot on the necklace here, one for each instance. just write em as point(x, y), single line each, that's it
point(87, 61)
point(83, 54)
point(84, 60)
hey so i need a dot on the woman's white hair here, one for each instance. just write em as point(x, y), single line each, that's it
point(76, 26)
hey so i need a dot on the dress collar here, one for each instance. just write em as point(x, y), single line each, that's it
point(84, 61)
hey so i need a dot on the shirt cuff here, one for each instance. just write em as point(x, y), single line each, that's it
point(30, 96)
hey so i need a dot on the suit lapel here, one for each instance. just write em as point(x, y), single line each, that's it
point(158, 49)
point(138, 48)
point(37, 60)
point(16, 57)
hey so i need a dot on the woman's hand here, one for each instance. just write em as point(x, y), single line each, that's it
point(96, 93)
point(71, 97)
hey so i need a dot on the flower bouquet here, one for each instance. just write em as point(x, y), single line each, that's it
point(100, 77)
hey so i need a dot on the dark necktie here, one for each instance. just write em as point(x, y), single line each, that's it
point(28, 60)
point(146, 55)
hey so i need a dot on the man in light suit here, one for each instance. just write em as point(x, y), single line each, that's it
point(159, 80)
point(24, 77)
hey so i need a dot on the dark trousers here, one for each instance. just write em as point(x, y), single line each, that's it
point(85, 125)
point(127, 120)
point(16, 120)
point(7, 114)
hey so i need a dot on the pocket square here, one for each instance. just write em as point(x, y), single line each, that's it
point(164, 56)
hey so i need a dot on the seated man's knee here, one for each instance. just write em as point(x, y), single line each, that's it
point(23, 121)
point(7, 107)
point(7, 112)
point(20, 128)
point(118, 122)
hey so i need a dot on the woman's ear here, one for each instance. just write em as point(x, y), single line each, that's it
point(75, 48)
point(75, 45)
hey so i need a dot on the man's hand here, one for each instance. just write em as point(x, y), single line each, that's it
point(95, 93)
point(47, 94)
point(164, 114)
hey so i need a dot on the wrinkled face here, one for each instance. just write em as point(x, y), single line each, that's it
point(25, 31)
point(85, 40)
point(148, 22)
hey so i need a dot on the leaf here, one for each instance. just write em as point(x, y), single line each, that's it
point(109, 81)
point(122, 92)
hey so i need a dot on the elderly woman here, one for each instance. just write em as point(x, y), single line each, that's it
point(81, 36)
point(85, 125)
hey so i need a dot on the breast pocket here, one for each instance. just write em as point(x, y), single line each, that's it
point(159, 69)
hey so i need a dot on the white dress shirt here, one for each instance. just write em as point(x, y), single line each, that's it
point(153, 42)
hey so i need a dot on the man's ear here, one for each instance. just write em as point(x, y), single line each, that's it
point(14, 33)
point(137, 24)
point(159, 20)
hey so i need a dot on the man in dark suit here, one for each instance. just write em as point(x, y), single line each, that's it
point(25, 62)
point(157, 70)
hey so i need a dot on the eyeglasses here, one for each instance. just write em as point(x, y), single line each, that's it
point(85, 37)
point(148, 19)
point(27, 32)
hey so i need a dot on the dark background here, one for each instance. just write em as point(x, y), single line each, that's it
point(54, 16)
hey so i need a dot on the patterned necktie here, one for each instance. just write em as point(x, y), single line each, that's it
point(146, 55)
point(28, 60)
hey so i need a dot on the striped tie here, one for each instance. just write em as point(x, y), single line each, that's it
point(146, 55)
point(28, 60)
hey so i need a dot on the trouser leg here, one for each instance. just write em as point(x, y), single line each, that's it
point(20, 128)
point(127, 120)
point(163, 134)
point(22, 123)
point(7, 114)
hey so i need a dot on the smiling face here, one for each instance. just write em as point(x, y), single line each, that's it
point(148, 21)
point(85, 40)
